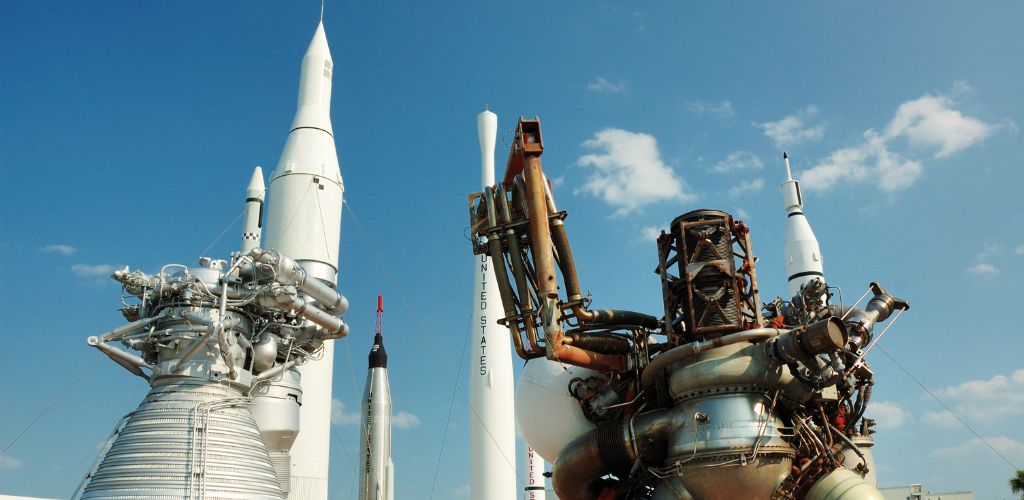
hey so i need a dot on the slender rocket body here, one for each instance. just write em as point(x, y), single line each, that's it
point(303, 220)
point(492, 412)
point(535, 489)
point(252, 227)
point(376, 470)
point(803, 256)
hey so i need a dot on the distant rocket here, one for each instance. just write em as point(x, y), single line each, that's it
point(535, 489)
point(803, 256)
point(252, 226)
point(376, 470)
point(304, 222)
point(492, 456)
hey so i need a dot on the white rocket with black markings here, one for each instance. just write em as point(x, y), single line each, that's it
point(376, 469)
point(803, 256)
point(303, 221)
point(492, 474)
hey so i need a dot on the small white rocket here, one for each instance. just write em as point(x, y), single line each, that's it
point(492, 474)
point(803, 256)
point(535, 489)
point(376, 469)
point(304, 222)
point(252, 226)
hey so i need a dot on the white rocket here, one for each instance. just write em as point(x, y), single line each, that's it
point(535, 489)
point(304, 222)
point(252, 226)
point(376, 470)
point(491, 409)
point(803, 256)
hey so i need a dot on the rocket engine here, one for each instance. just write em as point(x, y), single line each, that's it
point(719, 398)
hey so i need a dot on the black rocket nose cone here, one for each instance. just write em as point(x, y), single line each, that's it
point(378, 356)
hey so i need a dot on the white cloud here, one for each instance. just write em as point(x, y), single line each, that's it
point(931, 122)
point(1019, 250)
point(737, 161)
point(983, 269)
point(59, 248)
point(794, 129)
point(340, 417)
point(940, 419)
point(721, 109)
point(93, 271)
point(746, 187)
point(985, 400)
point(459, 492)
point(651, 233)
point(928, 125)
point(742, 214)
point(7, 462)
point(601, 84)
point(628, 173)
point(888, 415)
point(974, 447)
point(405, 420)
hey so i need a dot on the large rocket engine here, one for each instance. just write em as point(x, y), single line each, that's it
point(211, 340)
point(720, 398)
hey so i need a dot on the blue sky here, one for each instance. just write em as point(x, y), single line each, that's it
point(128, 133)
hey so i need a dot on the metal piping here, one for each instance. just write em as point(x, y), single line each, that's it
point(686, 351)
point(127, 361)
point(584, 461)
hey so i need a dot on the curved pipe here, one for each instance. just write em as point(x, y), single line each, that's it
point(686, 351)
point(581, 465)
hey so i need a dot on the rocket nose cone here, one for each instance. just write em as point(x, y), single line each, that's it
point(318, 45)
point(256, 186)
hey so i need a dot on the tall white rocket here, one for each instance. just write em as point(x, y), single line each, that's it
point(803, 256)
point(491, 414)
point(304, 222)
point(535, 489)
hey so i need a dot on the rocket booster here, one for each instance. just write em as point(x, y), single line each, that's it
point(803, 256)
point(304, 216)
point(252, 227)
point(491, 400)
point(535, 489)
point(304, 222)
point(376, 470)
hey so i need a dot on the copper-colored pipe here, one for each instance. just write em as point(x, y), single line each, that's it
point(544, 266)
point(518, 271)
point(501, 275)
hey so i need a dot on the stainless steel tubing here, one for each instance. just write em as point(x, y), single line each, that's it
point(661, 361)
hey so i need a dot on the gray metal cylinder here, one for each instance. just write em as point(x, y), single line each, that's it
point(189, 439)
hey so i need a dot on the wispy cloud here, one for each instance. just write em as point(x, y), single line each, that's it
point(59, 248)
point(93, 270)
point(459, 492)
point(405, 420)
point(983, 270)
point(340, 417)
point(794, 129)
point(738, 161)
point(892, 159)
point(1019, 250)
point(7, 462)
point(650, 233)
point(983, 266)
point(601, 84)
point(721, 109)
point(746, 187)
point(972, 448)
point(628, 173)
point(999, 397)
point(888, 415)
